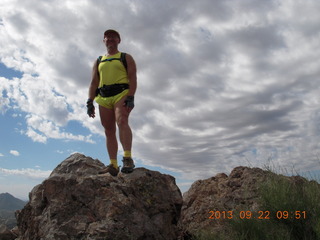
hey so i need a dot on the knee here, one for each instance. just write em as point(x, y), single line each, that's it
point(110, 133)
point(110, 130)
point(122, 121)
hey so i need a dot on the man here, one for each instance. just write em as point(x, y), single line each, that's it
point(113, 87)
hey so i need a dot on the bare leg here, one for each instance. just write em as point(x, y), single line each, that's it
point(108, 121)
point(122, 119)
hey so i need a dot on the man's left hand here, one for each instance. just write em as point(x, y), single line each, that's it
point(129, 102)
point(90, 108)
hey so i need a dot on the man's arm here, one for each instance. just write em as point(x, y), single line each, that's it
point(94, 81)
point(92, 90)
point(132, 74)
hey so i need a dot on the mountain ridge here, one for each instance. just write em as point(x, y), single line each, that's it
point(10, 203)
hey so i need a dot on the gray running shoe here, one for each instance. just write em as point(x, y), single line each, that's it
point(110, 169)
point(128, 165)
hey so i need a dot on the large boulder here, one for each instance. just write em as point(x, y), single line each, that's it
point(220, 194)
point(213, 207)
point(75, 202)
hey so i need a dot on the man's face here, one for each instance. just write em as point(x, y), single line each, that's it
point(111, 39)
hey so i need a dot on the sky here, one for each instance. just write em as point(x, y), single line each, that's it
point(221, 84)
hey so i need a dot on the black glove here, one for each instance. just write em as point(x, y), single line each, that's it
point(129, 102)
point(90, 108)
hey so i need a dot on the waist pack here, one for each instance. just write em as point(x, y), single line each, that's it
point(111, 90)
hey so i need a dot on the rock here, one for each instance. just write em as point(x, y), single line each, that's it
point(75, 202)
point(15, 231)
point(221, 193)
point(6, 234)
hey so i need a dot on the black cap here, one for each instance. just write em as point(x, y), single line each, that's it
point(110, 31)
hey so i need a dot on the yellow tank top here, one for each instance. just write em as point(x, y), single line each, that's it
point(112, 72)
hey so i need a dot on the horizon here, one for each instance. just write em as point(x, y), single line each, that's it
point(274, 169)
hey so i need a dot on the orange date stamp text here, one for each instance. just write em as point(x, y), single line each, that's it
point(262, 215)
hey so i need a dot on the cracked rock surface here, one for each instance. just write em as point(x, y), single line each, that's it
point(76, 202)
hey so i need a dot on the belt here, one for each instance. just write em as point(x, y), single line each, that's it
point(112, 90)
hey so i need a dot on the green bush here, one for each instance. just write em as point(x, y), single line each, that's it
point(296, 201)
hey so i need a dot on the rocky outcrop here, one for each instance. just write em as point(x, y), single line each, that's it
point(221, 194)
point(75, 202)
point(213, 207)
point(6, 233)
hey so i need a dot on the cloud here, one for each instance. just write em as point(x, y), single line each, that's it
point(14, 153)
point(27, 172)
point(42, 129)
point(4, 100)
point(220, 83)
point(1, 155)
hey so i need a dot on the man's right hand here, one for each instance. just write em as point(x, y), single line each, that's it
point(90, 108)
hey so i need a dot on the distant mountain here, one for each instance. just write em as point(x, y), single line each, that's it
point(10, 203)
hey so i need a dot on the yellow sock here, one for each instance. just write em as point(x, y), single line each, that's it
point(114, 162)
point(127, 154)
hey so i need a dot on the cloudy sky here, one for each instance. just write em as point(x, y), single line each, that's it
point(221, 83)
